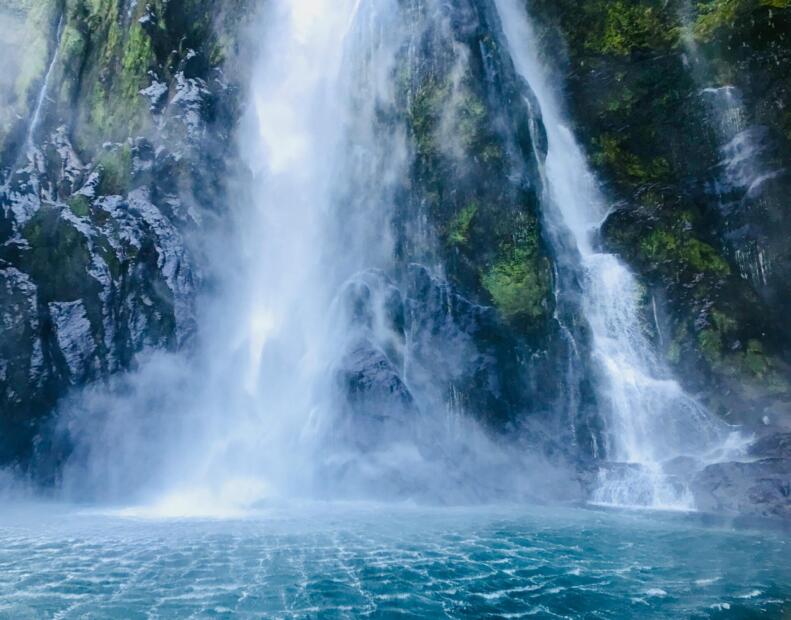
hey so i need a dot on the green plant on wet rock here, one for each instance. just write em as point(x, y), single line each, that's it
point(710, 345)
point(459, 228)
point(717, 15)
point(116, 171)
point(58, 258)
point(471, 117)
point(424, 114)
point(678, 248)
point(80, 205)
point(628, 166)
point(519, 282)
point(629, 25)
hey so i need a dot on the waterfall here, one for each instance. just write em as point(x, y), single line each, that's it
point(651, 422)
point(35, 119)
point(307, 380)
point(328, 363)
point(744, 173)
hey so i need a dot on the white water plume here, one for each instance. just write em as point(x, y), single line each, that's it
point(298, 385)
point(649, 418)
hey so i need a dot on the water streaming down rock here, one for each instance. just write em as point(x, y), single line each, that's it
point(748, 179)
point(327, 361)
point(35, 118)
point(650, 420)
point(335, 359)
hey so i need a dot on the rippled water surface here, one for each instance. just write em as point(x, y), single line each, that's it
point(384, 562)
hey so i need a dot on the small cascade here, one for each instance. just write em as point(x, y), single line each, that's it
point(744, 171)
point(41, 100)
point(650, 421)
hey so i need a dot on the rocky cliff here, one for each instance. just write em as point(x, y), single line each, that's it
point(117, 149)
point(114, 139)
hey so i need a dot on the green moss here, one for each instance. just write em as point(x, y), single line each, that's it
point(710, 344)
point(80, 205)
point(116, 171)
point(519, 282)
point(717, 15)
point(119, 64)
point(424, 114)
point(58, 259)
point(733, 360)
point(137, 60)
point(723, 323)
point(459, 228)
point(666, 246)
point(628, 166)
point(472, 115)
point(629, 25)
point(755, 360)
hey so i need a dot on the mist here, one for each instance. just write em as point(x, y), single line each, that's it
point(312, 374)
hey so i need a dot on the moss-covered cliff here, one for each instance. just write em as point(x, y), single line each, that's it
point(113, 145)
point(666, 96)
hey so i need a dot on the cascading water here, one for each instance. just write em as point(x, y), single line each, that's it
point(315, 373)
point(306, 380)
point(650, 420)
point(35, 119)
point(744, 172)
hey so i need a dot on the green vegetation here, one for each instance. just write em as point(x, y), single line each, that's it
point(58, 258)
point(116, 171)
point(519, 282)
point(80, 205)
point(627, 166)
point(683, 252)
point(459, 229)
point(425, 113)
point(717, 15)
point(630, 25)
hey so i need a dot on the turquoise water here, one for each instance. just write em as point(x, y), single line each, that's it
point(382, 562)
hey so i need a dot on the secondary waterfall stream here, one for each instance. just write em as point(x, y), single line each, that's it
point(650, 420)
point(35, 118)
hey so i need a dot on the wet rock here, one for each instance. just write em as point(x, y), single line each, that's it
point(760, 488)
point(74, 337)
point(379, 405)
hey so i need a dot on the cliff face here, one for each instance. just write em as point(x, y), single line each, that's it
point(683, 108)
point(117, 146)
point(113, 144)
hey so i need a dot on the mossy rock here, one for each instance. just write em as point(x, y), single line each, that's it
point(681, 252)
point(58, 258)
point(80, 205)
point(459, 229)
point(519, 281)
point(115, 167)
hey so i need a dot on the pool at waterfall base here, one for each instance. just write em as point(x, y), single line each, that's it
point(375, 561)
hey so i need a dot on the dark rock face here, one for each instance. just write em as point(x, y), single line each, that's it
point(760, 487)
point(379, 404)
point(681, 106)
point(119, 156)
